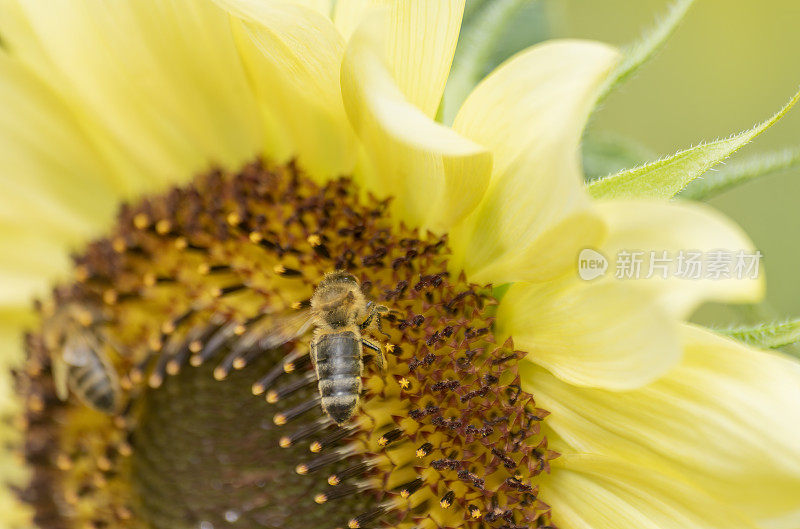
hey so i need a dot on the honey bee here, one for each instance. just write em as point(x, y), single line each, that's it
point(80, 364)
point(339, 313)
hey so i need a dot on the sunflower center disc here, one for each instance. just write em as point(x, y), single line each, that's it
point(442, 437)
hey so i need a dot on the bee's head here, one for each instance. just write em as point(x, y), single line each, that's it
point(339, 278)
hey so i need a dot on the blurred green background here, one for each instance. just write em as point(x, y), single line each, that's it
point(731, 64)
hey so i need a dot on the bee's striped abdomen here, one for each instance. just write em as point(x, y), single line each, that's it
point(338, 364)
point(94, 384)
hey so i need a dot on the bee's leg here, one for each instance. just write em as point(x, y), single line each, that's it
point(312, 353)
point(386, 311)
point(370, 314)
point(375, 312)
point(379, 319)
point(379, 355)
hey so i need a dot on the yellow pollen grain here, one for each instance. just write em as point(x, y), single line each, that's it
point(445, 504)
point(233, 218)
point(136, 375)
point(285, 442)
point(70, 496)
point(257, 389)
point(141, 221)
point(301, 469)
point(315, 447)
point(404, 383)
point(272, 397)
point(155, 381)
point(81, 273)
point(279, 419)
point(119, 245)
point(163, 226)
point(320, 498)
point(35, 402)
point(103, 463)
point(85, 318)
point(173, 367)
point(149, 279)
point(33, 368)
point(353, 524)
point(421, 453)
point(110, 296)
point(125, 449)
point(333, 480)
point(48, 307)
point(63, 462)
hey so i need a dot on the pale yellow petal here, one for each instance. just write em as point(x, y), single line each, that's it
point(727, 419)
point(46, 160)
point(434, 175)
point(293, 56)
point(596, 492)
point(158, 85)
point(19, 36)
point(324, 7)
point(55, 190)
point(680, 228)
point(30, 261)
point(348, 14)
point(420, 42)
point(530, 113)
point(590, 334)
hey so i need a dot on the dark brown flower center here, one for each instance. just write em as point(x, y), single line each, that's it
point(172, 301)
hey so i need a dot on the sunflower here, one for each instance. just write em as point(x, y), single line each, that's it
point(208, 163)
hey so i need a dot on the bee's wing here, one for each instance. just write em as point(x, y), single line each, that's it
point(274, 330)
point(77, 350)
point(59, 369)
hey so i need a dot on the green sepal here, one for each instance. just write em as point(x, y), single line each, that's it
point(739, 172)
point(664, 178)
point(767, 335)
point(638, 53)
